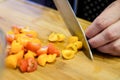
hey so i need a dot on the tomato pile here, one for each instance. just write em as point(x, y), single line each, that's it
point(26, 52)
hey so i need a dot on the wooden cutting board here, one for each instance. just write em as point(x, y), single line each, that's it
point(44, 21)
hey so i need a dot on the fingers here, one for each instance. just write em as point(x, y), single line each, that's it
point(104, 32)
point(109, 16)
point(113, 48)
point(106, 36)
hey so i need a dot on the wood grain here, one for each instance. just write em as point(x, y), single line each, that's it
point(44, 21)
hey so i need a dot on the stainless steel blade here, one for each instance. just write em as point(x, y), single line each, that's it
point(3, 44)
point(73, 25)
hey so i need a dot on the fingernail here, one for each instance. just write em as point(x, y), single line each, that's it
point(92, 43)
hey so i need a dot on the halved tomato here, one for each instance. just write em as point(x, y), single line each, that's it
point(53, 50)
point(32, 64)
point(42, 50)
point(33, 46)
point(16, 29)
point(23, 64)
point(10, 38)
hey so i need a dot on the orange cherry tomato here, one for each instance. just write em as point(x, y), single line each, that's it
point(23, 64)
point(53, 50)
point(33, 46)
point(32, 64)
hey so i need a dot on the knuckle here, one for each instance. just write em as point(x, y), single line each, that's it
point(110, 35)
point(93, 43)
point(115, 47)
point(100, 23)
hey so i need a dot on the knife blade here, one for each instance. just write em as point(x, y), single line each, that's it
point(3, 53)
point(73, 25)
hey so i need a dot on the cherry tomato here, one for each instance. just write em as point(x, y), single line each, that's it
point(33, 46)
point(53, 50)
point(42, 50)
point(57, 52)
point(23, 64)
point(16, 29)
point(32, 64)
point(10, 38)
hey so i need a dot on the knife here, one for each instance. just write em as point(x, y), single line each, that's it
point(73, 25)
point(3, 53)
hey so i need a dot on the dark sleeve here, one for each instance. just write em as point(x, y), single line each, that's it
point(90, 9)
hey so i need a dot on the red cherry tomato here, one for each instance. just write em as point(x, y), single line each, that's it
point(10, 38)
point(53, 50)
point(32, 64)
point(23, 64)
point(33, 46)
point(42, 50)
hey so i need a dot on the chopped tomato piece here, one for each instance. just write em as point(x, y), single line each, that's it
point(32, 64)
point(11, 61)
point(16, 47)
point(56, 51)
point(20, 54)
point(29, 54)
point(42, 59)
point(28, 32)
point(36, 40)
point(27, 65)
point(53, 50)
point(51, 58)
point(23, 39)
point(42, 50)
point(10, 38)
point(23, 64)
point(33, 46)
point(16, 29)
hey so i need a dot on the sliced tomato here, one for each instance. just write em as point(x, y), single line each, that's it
point(42, 50)
point(10, 38)
point(16, 29)
point(33, 46)
point(32, 33)
point(23, 64)
point(32, 64)
point(53, 50)
point(57, 52)
point(29, 35)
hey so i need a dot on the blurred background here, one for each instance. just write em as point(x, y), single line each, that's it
point(86, 9)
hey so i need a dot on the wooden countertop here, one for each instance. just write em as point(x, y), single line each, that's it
point(45, 20)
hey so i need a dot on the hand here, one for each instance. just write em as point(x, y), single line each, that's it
point(104, 32)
